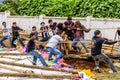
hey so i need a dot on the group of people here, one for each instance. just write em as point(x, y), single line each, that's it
point(55, 34)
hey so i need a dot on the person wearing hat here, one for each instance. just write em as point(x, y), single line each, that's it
point(97, 52)
point(52, 44)
point(31, 49)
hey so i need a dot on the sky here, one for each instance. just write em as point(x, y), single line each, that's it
point(1, 1)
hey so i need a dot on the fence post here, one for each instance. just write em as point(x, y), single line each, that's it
point(7, 13)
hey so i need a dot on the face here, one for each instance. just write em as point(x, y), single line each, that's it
point(64, 26)
point(43, 25)
point(99, 35)
point(33, 29)
point(4, 24)
point(14, 25)
point(51, 23)
point(69, 21)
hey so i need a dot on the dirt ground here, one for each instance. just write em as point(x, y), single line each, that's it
point(89, 64)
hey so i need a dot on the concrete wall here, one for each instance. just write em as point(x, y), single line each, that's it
point(26, 22)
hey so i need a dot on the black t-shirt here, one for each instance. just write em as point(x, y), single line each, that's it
point(30, 45)
point(36, 34)
point(45, 34)
point(15, 31)
point(97, 45)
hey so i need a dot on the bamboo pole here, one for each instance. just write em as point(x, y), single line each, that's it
point(69, 76)
point(38, 67)
point(16, 70)
point(13, 54)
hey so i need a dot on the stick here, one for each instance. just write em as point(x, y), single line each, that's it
point(38, 67)
point(39, 75)
point(113, 44)
point(16, 70)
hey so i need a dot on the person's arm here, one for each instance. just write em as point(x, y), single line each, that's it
point(85, 29)
point(20, 29)
point(38, 42)
point(110, 42)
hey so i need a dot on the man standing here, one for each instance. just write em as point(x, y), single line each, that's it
point(6, 34)
point(97, 52)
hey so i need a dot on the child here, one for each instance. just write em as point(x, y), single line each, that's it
point(35, 31)
point(52, 26)
point(44, 30)
point(79, 35)
point(15, 32)
point(96, 52)
point(51, 46)
point(6, 34)
point(31, 50)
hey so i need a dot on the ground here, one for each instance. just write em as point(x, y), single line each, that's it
point(89, 64)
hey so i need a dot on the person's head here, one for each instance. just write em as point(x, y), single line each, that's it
point(69, 19)
point(60, 33)
point(65, 25)
point(4, 24)
point(97, 33)
point(32, 35)
point(42, 24)
point(50, 21)
point(14, 24)
point(59, 26)
point(34, 28)
point(77, 24)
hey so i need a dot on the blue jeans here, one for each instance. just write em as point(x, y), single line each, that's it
point(54, 51)
point(4, 38)
point(80, 39)
point(37, 55)
point(106, 58)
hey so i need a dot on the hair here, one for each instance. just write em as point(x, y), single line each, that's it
point(78, 23)
point(50, 20)
point(32, 34)
point(14, 22)
point(59, 32)
point(42, 23)
point(69, 18)
point(3, 22)
point(59, 25)
point(55, 24)
point(34, 27)
point(66, 23)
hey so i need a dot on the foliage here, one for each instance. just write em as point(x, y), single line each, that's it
point(74, 8)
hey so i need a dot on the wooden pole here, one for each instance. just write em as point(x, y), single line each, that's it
point(38, 67)
point(70, 76)
point(16, 70)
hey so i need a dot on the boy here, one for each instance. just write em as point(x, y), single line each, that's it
point(15, 32)
point(6, 34)
point(96, 52)
point(35, 31)
point(79, 36)
point(31, 49)
point(44, 30)
point(51, 46)
point(52, 26)
point(70, 25)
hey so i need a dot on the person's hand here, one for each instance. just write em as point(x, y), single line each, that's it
point(89, 28)
point(110, 40)
point(118, 40)
point(78, 28)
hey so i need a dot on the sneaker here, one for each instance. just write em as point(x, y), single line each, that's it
point(50, 59)
point(98, 70)
point(33, 63)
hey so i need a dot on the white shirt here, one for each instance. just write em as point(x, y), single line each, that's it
point(54, 40)
point(8, 31)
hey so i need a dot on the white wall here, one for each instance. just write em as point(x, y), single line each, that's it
point(26, 22)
